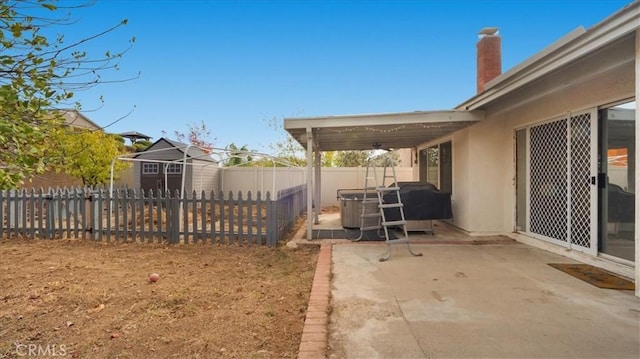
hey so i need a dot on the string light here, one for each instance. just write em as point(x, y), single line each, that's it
point(395, 129)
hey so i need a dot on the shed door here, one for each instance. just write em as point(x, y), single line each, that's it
point(562, 189)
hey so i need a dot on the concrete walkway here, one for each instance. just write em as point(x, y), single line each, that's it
point(473, 301)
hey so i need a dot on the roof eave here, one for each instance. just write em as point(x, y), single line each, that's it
point(564, 51)
point(382, 119)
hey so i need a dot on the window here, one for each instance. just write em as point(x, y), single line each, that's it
point(446, 168)
point(174, 168)
point(150, 168)
point(436, 166)
point(433, 161)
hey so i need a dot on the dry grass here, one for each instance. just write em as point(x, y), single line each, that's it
point(95, 299)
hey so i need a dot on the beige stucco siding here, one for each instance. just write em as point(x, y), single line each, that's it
point(461, 179)
point(484, 154)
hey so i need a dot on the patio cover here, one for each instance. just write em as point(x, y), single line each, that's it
point(365, 132)
point(385, 131)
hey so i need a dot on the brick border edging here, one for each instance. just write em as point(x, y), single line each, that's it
point(314, 342)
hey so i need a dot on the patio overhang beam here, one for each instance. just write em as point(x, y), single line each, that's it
point(387, 131)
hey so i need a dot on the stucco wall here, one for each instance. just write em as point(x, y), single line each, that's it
point(484, 154)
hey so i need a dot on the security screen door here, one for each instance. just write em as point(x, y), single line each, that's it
point(561, 182)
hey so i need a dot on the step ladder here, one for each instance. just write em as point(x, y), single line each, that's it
point(380, 188)
point(370, 217)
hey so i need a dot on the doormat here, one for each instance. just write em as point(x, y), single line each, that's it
point(595, 276)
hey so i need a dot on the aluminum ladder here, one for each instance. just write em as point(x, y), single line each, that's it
point(381, 189)
point(370, 196)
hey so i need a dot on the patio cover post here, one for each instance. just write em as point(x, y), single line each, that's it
point(309, 183)
point(318, 186)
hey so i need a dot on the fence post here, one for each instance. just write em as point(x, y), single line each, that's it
point(184, 213)
point(203, 216)
point(41, 213)
point(141, 215)
point(259, 226)
point(272, 227)
point(32, 209)
point(249, 219)
point(11, 207)
point(222, 215)
point(115, 202)
point(173, 220)
point(50, 219)
point(2, 227)
point(66, 203)
point(95, 214)
point(230, 207)
point(212, 216)
point(240, 219)
point(58, 197)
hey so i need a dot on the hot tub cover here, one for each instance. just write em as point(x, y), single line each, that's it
point(421, 200)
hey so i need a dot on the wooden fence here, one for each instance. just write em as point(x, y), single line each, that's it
point(127, 215)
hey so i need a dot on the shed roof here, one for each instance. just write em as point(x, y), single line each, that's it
point(193, 152)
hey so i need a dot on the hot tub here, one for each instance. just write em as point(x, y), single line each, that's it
point(351, 208)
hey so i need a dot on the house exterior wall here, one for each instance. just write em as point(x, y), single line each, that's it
point(484, 154)
point(405, 157)
point(76, 119)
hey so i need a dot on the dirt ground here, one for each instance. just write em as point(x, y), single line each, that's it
point(82, 299)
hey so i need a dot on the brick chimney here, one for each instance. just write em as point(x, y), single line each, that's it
point(489, 56)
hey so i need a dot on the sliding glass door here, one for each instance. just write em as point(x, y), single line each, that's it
point(616, 166)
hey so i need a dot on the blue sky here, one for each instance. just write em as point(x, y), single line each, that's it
point(238, 64)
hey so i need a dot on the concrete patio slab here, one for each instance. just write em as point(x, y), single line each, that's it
point(473, 301)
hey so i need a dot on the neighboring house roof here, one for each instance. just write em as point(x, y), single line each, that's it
point(163, 145)
point(76, 119)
